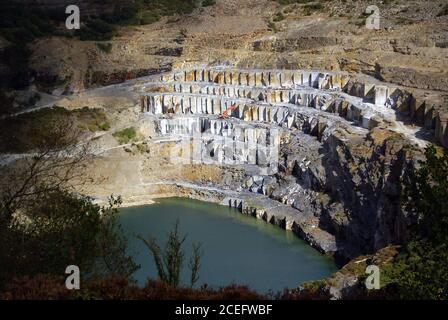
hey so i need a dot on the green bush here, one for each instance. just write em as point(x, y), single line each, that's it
point(422, 270)
point(127, 13)
point(403, 20)
point(92, 119)
point(126, 135)
point(6, 103)
point(64, 229)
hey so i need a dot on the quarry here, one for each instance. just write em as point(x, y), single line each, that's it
point(294, 115)
point(271, 143)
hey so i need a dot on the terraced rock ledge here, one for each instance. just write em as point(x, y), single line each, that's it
point(319, 153)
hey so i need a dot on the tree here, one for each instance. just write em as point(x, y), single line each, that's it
point(44, 224)
point(169, 262)
point(62, 229)
point(422, 270)
point(113, 244)
point(57, 163)
point(195, 264)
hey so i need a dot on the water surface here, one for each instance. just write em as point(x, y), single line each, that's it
point(236, 248)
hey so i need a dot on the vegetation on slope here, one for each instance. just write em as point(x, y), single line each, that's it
point(26, 132)
point(45, 226)
point(46, 287)
point(421, 272)
point(418, 271)
point(126, 135)
point(23, 24)
point(20, 25)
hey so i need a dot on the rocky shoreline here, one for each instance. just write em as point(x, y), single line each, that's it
point(257, 206)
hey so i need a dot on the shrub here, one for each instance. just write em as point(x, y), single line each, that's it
point(64, 229)
point(169, 262)
point(93, 119)
point(20, 24)
point(170, 7)
point(421, 272)
point(6, 103)
point(126, 135)
point(403, 20)
point(46, 287)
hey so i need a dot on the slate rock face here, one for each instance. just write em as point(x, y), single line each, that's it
point(327, 148)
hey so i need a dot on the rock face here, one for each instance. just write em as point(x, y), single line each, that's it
point(360, 99)
point(327, 147)
point(346, 283)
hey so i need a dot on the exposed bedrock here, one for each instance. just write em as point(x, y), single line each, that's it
point(319, 153)
point(425, 108)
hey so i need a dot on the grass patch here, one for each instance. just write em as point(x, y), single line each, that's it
point(92, 119)
point(126, 135)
